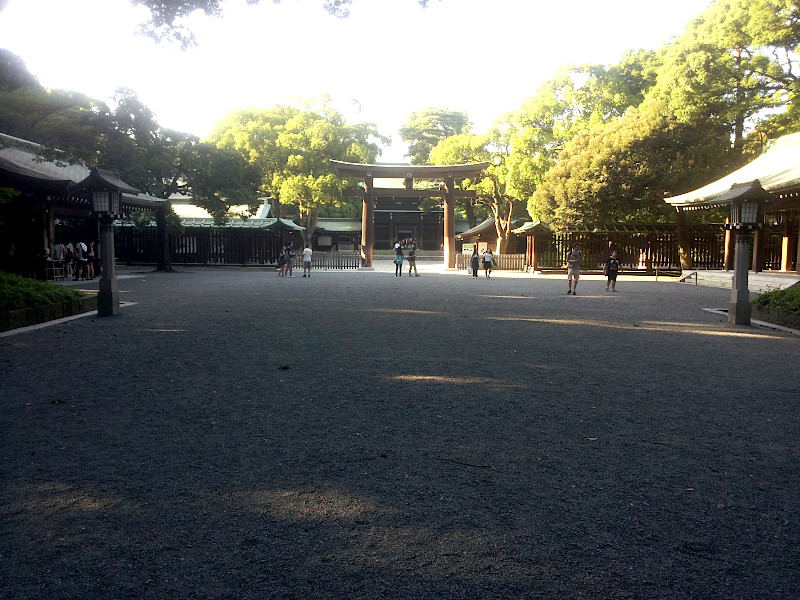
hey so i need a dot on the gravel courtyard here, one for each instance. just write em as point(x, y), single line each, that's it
point(233, 434)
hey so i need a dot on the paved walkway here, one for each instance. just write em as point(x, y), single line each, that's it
point(233, 434)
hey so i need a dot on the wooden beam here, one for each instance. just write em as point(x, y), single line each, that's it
point(345, 169)
point(401, 193)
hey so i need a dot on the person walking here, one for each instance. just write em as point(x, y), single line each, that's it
point(80, 253)
point(307, 261)
point(282, 262)
point(412, 261)
point(289, 259)
point(475, 262)
point(574, 258)
point(488, 262)
point(610, 270)
point(398, 261)
point(90, 257)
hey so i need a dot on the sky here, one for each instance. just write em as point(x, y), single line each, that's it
point(389, 58)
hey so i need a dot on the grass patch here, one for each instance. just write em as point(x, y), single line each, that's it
point(20, 292)
point(786, 299)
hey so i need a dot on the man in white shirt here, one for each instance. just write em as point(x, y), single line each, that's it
point(306, 261)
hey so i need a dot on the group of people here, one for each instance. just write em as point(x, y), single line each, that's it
point(287, 258)
point(611, 269)
point(487, 258)
point(79, 259)
point(399, 256)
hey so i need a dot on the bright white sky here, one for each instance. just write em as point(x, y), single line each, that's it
point(483, 57)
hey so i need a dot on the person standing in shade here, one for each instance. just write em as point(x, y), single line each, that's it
point(90, 259)
point(610, 270)
point(289, 259)
point(474, 262)
point(574, 258)
point(488, 262)
point(307, 261)
point(398, 261)
point(412, 261)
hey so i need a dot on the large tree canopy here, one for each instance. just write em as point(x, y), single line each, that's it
point(621, 170)
point(165, 15)
point(425, 128)
point(290, 147)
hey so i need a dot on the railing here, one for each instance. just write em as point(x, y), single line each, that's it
point(501, 262)
point(331, 260)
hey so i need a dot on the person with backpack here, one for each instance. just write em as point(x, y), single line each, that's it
point(610, 270)
point(80, 256)
point(398, 260)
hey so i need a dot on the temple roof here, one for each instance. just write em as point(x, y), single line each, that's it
point(777, 171)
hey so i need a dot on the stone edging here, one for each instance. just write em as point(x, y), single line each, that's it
point(25, 317)
point(777, 316)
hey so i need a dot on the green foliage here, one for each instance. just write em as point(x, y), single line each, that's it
point(785, 299)
point(621, 170)
point(18, 292)
point(425, 128)
point(290, 148)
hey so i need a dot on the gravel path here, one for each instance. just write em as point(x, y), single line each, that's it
point(238, 435)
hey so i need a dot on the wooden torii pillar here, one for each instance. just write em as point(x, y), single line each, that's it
point(368, 221)
point(368, 193)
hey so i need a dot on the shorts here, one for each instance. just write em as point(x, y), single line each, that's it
point(612, 275)
point(290, 263)
point(573, 274)
point(307, 264)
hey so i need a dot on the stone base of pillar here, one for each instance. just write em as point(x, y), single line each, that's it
point(739, 312)
point(107, 298)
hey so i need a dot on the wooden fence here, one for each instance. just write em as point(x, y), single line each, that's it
point(637, 250)
point(333, 260)
point(501, 262)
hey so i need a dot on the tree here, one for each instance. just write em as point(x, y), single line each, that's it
point(735, 64)
point(621, 170)
point(492, 188)
point(291, 148)
point(14, 74)
point(166, 14)
point(425, 128)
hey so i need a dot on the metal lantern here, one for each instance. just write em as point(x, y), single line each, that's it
point(745, 212)
point(105, 202)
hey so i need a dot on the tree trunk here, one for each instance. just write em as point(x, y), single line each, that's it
point(162, 230)
point(684, 241)
point(469, 209)
point(309, 221)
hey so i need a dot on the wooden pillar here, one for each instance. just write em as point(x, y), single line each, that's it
point(758, 250)
point(727, 260)
point(367, 222)
point(449, 223)
point(797, 261)
point(786, 244)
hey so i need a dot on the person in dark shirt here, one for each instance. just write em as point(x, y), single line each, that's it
point(610, 270)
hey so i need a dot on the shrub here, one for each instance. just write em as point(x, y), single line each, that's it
point(20, 292)
point(786, 299)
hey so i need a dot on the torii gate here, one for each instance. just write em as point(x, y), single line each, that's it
point(447, 173)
